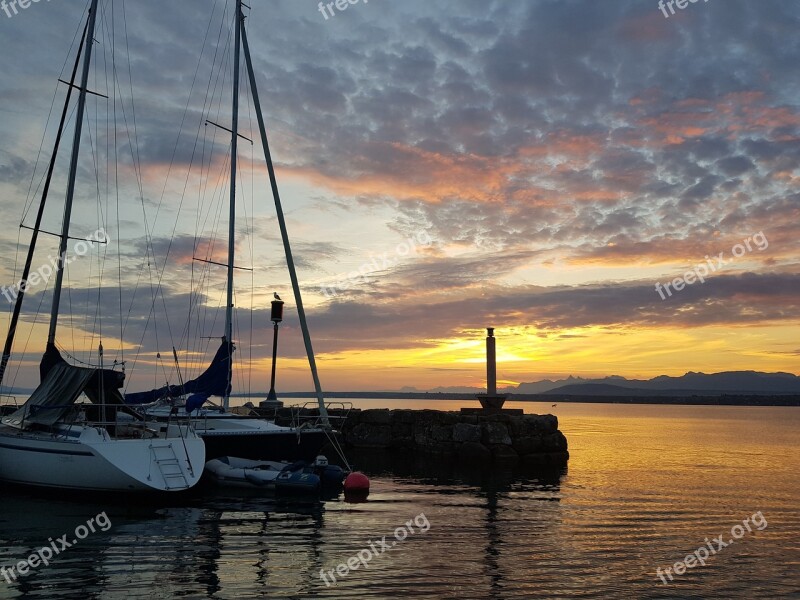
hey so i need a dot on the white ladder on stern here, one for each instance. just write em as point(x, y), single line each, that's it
point(170, 467)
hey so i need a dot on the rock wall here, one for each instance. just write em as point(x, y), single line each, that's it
point(533, 439)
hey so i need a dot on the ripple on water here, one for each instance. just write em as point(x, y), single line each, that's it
point(642, 491)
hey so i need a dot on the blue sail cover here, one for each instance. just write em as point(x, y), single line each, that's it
point(212, 382)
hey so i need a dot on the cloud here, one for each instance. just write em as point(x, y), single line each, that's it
point(578, 139)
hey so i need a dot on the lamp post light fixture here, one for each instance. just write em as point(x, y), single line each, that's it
point(276, 317)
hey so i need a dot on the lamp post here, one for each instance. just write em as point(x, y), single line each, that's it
point(276, 317)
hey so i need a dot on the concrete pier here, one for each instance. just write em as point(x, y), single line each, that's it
point(473, 435)
point(533, 440)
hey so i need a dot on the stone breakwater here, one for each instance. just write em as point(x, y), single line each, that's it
point(533, 440)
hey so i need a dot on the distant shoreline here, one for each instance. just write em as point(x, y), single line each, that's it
point(697, 400)
point(721, 400)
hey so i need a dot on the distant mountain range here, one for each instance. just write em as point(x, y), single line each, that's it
point(690, 384)
point(729, 383)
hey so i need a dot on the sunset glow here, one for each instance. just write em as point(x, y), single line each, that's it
point(559, 178)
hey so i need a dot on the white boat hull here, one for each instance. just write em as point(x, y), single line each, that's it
point(227, 434)
point(90, 460)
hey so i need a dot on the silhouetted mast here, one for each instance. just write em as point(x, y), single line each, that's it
point(301, 313)
point(232, 214)
point(73, 170)
point(26, 270)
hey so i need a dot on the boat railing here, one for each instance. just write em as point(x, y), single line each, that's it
point(305, 415)
point(97, 416)
point(8, 404)
point(308, 414)
point(203, 421)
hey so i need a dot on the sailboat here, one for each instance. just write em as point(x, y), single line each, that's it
point(75, 431)
point(227, 434)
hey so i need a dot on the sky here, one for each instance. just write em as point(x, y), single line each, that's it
point(613, 187)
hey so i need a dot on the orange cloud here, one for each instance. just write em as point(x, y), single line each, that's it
point(733, 114)
point(415, 173)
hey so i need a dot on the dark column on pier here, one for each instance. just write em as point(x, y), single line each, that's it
point(491, 363)
point(491, 400)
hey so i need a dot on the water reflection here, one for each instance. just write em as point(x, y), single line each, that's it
point(216, 543)
point(487, 538)
point(645, 486)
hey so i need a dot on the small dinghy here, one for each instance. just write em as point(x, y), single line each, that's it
point(241, 472)
point(296, 478)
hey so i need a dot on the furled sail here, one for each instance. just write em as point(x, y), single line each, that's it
point(212, 382)
point(58, 392)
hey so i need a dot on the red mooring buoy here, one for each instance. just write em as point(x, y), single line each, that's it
point(356, 487)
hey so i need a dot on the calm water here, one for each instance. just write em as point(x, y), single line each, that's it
point(646, 485)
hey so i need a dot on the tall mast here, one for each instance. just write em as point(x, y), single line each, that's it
point(301, 313)
point(232, 217)
point(73, 169)
point(12, 328)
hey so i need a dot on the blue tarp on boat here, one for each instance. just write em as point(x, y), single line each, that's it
point(212, 382)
